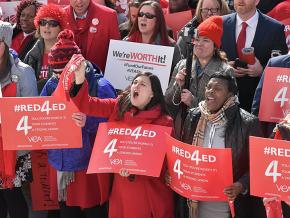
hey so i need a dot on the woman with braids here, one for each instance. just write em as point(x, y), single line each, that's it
point(16, 80)
point(24, 33)
point(143, 103)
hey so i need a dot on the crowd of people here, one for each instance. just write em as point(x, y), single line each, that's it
point(212, 99)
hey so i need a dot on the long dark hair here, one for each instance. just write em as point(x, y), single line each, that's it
point(5, 65)
point(158, 98)
point(160, 26)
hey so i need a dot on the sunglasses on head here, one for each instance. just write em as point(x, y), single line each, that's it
point(147, 15)
point(52, 23)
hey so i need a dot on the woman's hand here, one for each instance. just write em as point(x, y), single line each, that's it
point(79, 118)
point(180, 77)
point(186, 97)
point(234, 190)
point(124, 172)
point(80, 73)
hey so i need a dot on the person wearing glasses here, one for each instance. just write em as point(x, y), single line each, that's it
point(207, 59)
point(150, 26)
point(125, 27)
point(50, 20)
point(204, 10)
point(16, 80)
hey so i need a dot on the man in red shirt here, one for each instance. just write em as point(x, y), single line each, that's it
point(93, 25)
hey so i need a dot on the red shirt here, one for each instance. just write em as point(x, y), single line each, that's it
point(43, 74)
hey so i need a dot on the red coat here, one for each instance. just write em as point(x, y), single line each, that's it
point(145, 196)
point(101, 25)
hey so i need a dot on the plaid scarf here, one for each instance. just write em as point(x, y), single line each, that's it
point(217, 119)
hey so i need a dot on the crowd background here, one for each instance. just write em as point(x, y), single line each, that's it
point(224, 87)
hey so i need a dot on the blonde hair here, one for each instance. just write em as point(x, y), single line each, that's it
point(223, 8)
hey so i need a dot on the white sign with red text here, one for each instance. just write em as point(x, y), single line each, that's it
point(126, 59)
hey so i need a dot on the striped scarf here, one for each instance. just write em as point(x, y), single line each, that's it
point(217, 119)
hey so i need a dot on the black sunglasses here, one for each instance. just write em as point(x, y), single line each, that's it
point(52, 23)
point(147, 15)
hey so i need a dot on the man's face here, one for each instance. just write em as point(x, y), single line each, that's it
point(245, 6)
point(80, 6)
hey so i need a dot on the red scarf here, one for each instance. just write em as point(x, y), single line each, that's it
point(142, 117)
point(137, 37)
point(7, 158)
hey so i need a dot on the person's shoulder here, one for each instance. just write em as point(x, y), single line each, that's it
point(18, 67)
point(165, 120)
point(102, 8)
point(248, 117)
point(229, 17)
point(193, 113)
point(280, 61)
point(269, 20)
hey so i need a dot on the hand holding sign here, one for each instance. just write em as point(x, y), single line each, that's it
point(80, 72)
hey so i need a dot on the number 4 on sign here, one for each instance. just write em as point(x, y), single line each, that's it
point(281, 96)
point(110, 148)
point(176, 168)
point(23, 125)
point(272, 170)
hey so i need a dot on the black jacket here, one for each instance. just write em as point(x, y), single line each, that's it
point(240, 125)
point(34, 59)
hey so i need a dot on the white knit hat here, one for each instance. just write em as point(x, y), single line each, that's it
point(6, 32)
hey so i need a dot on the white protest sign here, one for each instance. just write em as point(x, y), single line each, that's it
point(126, 59)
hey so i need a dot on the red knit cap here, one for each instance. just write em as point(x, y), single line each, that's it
point(62, 51)
point(212, 28)
point(51, 11)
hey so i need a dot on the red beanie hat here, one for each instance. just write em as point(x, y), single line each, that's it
point(212, 28)
point(281, 11)
point(51, 11)
point(62, 51)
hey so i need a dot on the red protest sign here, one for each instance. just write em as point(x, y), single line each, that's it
point(38, 123)
point(199, 173)
point(140, 149)
point(40, 187)
point(270, 168)
point(275, 103)
point(177, 20)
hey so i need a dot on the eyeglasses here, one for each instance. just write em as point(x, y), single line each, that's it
point(147, 15)
point(52, 23)
point(212, 10)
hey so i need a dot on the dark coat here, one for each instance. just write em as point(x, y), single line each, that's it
point(269, 36)
point(240, 125)
point(34, 59)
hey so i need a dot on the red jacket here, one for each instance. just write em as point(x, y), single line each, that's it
point(101, 25)
point(145, 196)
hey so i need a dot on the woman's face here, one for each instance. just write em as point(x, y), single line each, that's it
point(2, 48)
point(49, 28)
point(26, 19)
point(133, 14)
point(203, 48)
point(146, 20)
point(141, 92)
point(216, 94)
point(209, 8)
